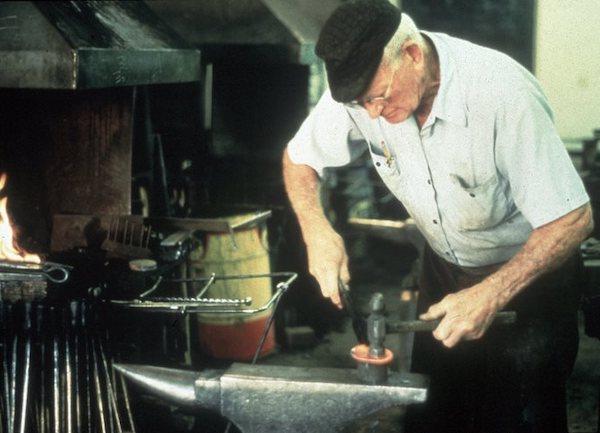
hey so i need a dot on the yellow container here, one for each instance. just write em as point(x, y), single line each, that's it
point(242, 251)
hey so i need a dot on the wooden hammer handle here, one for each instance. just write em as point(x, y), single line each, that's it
point(500, 318)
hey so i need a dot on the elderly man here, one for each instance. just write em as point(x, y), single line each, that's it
point(463, 136)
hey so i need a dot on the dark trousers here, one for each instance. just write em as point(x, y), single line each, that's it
point(513, 378)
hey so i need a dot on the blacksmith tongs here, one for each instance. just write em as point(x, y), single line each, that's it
point(54, 272)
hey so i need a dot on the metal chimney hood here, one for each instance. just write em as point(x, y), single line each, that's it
point(90, 44)
point(271, 30)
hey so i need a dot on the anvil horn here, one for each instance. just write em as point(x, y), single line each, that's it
point(171, 384)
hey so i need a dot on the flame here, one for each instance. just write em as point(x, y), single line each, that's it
point(9, 250)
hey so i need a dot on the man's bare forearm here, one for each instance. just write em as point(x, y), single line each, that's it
point(302, 185)
point(467, 314)
point(327, 258)
point(545, 250)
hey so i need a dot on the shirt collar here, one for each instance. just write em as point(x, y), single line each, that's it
point(449, 103)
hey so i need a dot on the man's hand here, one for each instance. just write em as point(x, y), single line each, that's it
point(328, 262)
point(465, 315)
point(327, 258)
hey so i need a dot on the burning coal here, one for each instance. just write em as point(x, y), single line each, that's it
point(9, 250)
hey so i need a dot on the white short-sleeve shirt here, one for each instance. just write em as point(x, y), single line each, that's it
point(486, 167)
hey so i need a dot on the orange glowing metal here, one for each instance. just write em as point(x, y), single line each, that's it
point(9, 250)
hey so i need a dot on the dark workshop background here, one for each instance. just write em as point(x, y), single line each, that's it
point(211, 146)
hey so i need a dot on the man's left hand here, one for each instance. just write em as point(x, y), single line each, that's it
point(464, 315)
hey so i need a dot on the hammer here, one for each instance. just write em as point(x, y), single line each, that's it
point(359, 323)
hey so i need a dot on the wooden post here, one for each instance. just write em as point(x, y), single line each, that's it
point(65, 152)
point(89, 168)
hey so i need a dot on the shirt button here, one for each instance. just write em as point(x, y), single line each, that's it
point(435, 221)
point(448, 253)
point(429, 181)
point(378, 164)
point(471, 194)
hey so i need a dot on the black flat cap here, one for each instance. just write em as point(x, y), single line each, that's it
point(351, 43)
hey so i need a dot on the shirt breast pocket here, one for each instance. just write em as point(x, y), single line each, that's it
point(479, 207)
point(391, 176)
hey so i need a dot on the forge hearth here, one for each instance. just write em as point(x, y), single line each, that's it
point(70, 78)
point(70, 84)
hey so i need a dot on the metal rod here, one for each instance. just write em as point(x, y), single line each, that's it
point(153, 288)
point(55, 375)
point(5, 364)
point(291, 275)
point(44, 415)
point(88, 373)
point(111, 395)
point(13, 385)
point(68, 376)
point(142, 229)
point(38, 418)
point(149, 233)
point(206, 286)
point(127, 404)
point(101, 413)
point(117, 229)
point(4, 394)
point(115, 386)
point(115, 234)
point(75, 328)
point(26, 373)
point(125, 232)
point(104, 380)
point(232, 236)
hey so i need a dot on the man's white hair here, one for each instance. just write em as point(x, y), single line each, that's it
point(407, 31)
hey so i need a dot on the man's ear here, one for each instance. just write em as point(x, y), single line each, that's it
point(413, 51)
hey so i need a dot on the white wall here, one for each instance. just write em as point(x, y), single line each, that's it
point(567, 63)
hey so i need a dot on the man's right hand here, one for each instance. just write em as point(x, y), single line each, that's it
point(328, 262)
point(327, 258)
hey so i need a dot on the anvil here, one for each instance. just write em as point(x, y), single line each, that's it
point(266, 398)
